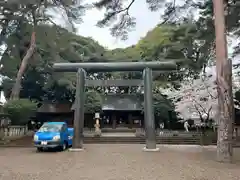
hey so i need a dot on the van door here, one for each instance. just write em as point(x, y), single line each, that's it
point(64, 134)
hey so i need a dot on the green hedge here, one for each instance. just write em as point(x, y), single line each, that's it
point(20, 110)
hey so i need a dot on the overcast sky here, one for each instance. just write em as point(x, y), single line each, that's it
point(146, 20)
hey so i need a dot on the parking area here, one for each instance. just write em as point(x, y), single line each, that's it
point(117, 162)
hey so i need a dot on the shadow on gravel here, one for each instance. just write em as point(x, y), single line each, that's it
point(49, 151)
point(212, 155)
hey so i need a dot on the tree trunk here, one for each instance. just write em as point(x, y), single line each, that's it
point(17, 86)
point(4, 31)
point(226, 117)
point(224, 84)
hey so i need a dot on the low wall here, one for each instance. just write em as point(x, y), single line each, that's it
point(168, 133)
point(12, 132)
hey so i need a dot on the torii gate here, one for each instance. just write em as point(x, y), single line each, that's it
point(146, 67)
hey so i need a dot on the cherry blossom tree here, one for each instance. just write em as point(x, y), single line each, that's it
point(197, 98)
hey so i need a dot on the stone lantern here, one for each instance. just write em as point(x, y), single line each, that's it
point(97, 124)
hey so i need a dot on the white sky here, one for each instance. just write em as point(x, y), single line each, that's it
point(145, 19)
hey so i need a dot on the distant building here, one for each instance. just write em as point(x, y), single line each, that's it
point(118, 110)
point(49, 111)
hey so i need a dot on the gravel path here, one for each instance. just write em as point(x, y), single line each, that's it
point(117, 162)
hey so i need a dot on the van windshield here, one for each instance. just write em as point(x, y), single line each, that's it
point(50, 128)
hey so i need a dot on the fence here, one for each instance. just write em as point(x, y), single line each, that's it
point(209, 137)
point(169, 133)
point(13, 132)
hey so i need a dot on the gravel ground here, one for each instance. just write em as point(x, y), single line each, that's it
point(117, 162)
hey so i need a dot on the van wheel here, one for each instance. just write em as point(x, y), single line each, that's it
point(64, 146)
point(39, 149)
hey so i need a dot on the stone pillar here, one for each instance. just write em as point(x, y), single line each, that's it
point(114, 121)
point(78, 123)
point(130, 120)
point(97, 125)
point(97, 128)
point(149, 121)
point(236, 131)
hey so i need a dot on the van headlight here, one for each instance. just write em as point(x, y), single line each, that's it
point(35, 138)
point(56, 138)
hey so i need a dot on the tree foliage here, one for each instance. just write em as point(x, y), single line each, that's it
point(164, 109)
point(179, 42)
point(20, 110)
point(39, 82)
point(119, 18)
point(21, 14)
point(93, 102)
point(183, 38)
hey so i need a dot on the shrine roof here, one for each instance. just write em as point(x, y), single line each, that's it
point(120, 102)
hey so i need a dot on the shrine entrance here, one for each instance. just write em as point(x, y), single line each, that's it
point(121, 110)
point(122, 119)
point(146, 67)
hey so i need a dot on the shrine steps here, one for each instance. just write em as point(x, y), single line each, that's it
point(118, 130)
point(141, 140)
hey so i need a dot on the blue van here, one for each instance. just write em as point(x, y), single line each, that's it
point(53, 135)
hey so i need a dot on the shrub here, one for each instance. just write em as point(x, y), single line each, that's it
point(93, 102)
point(20, 110)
